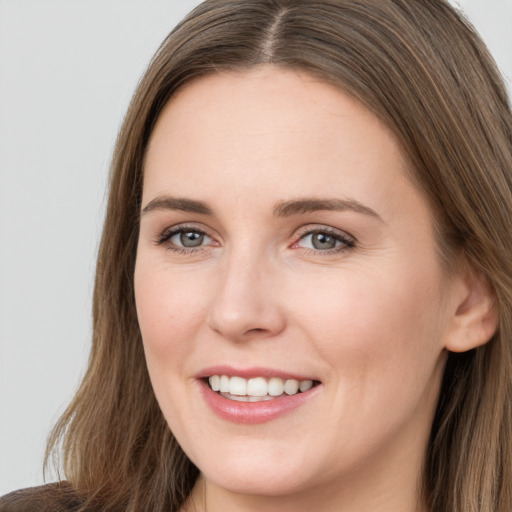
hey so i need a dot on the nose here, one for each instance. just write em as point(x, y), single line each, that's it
point(245, 305)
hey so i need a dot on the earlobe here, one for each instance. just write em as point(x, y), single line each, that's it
point(476, 317)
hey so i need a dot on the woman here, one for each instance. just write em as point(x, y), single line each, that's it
point(307, 242)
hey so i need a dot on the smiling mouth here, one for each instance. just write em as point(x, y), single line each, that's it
point(257, 389)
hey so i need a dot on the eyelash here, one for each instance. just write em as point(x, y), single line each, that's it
point(345, 240)
point(165, 237)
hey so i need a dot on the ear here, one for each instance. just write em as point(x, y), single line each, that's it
point(476, 316)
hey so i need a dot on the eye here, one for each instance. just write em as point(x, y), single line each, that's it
point(182, 238)
point(325, 240)
point(189, 238)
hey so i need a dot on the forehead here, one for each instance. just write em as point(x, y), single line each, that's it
point(266, 123)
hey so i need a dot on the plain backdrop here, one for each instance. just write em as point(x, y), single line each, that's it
point(67, 72)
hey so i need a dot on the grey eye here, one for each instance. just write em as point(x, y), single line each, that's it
point(322, 241)
point(325, 241)
point(189, 239)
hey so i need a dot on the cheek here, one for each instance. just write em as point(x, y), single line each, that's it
point(381, 339)
point(386, 320)
point(170, 310)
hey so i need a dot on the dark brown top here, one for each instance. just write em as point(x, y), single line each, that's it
point(56, 497)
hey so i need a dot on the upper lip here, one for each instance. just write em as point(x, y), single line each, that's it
point(252, 372)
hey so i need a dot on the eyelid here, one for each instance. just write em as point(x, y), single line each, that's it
point(322, 228)
point(345, 238)
point(348, 241)
point(164, 236)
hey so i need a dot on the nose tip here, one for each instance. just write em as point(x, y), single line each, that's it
point(244, 308)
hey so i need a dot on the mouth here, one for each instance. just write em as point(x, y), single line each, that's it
point(257, 389)
point(255, 395)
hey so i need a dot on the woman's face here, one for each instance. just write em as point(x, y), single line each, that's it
point(281, 240)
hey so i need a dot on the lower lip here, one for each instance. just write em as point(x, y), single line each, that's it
point(254, 412)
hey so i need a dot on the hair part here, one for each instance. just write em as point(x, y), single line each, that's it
point(421, 68)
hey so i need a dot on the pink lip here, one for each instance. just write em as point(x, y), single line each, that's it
point(248, 373)
point(252, 412)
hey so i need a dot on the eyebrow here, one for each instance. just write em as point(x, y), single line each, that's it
point(282, 209)
point(177, 203)
point(301, 206)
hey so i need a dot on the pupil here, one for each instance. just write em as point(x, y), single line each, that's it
point(191, 239)
point(323, 241)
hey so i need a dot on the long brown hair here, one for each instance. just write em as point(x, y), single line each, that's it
point(421, 68)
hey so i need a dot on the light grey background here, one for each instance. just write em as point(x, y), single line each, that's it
point(67, 71)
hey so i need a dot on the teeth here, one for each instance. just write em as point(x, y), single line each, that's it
point(237, 386)
point(224, 384)
point(291, 386)
point(275, 387)
point(246, 398)
point(257, 388)
point(304, 385)
point(215, 382)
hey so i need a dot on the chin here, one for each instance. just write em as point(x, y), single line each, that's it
point(259, 471)
point(261, 481)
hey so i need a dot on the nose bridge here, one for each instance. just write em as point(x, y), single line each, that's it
point(244, 305)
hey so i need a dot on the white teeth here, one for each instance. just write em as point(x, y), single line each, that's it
point(247, 398)
point(305, 385)
point(224, 384)
point(257, 388)
point(275, 387)
point(238, 386)
point(215, 382)
point(291, 386)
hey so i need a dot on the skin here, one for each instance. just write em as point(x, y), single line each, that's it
point(370, 320)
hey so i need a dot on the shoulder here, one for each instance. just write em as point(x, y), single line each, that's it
point(56, 497)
